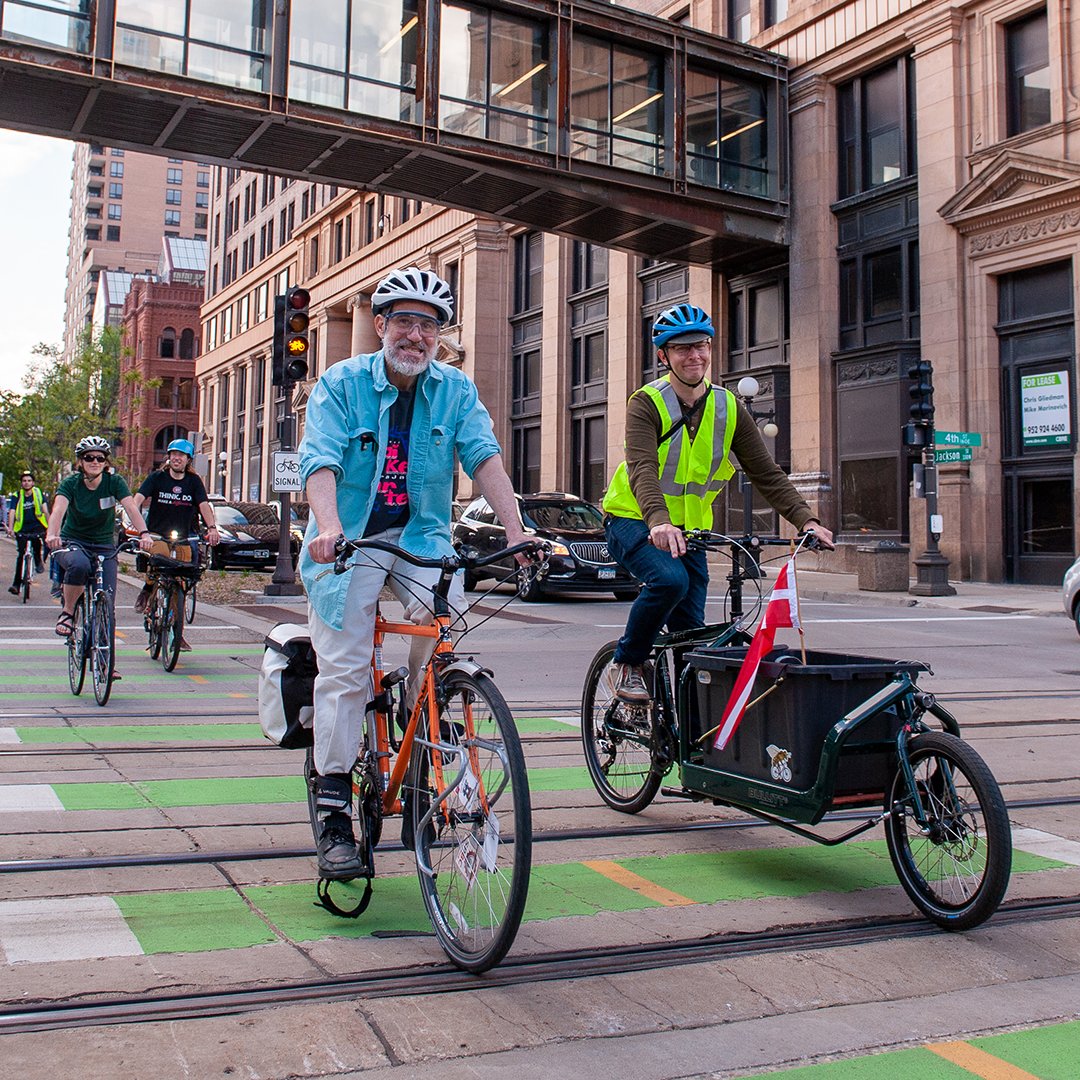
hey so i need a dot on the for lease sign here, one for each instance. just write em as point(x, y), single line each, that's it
point(1044, 408)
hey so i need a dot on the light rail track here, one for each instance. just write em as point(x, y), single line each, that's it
point(118, 862)
point(596, 961)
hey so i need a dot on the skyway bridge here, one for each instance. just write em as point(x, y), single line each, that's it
point(585, 119)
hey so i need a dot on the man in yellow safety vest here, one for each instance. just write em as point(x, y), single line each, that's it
point(28, 514)
point(681, 436)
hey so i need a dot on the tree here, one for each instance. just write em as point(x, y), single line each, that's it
point(65, 399)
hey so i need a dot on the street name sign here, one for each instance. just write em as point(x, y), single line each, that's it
point(957, 438)
point(945, 456)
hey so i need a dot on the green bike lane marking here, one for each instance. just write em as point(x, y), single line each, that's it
point(149, 733)
point(185, 687)
point(213, 919)
point(232, 791)
point(1047, 1052)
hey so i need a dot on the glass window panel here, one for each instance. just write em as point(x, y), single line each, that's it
point(702, 114)
point(164, 16)
point(589, 84)
point(390, 102)
point(595, 357)
point(49, 27)
point(318, 35)
point(317, 87)
point(239, 24)
point(882, 100)
point(225, 68)
point(849, 294)
point(1047, 517)
point(1028, 59)
point(739, 19)
point(869, 495)
point(743, 138)
point(884, 283)
point(764, 315)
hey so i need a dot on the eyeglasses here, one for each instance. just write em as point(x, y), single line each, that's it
point(27, 479)
point(96, 458)
point(405, 323)
point(702, 348)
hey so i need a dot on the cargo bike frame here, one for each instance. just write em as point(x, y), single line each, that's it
point(452, 766)
point(827, 732)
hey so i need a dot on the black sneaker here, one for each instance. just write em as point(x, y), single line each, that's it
point(339, 858)
point(13, 589)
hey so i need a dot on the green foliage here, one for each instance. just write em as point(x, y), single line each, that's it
point(65, 399)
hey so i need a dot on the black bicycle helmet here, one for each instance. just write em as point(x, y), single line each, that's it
point(90, 443)
point(678, 320)
point(412, 283)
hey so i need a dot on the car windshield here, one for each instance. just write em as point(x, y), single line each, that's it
point(570, 516)
point(229, 515)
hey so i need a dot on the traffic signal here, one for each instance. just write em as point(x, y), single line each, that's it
point(295, 343)
point(921, 389)
point(277, 346)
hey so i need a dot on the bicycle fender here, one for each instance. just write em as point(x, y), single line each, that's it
point(467, 667)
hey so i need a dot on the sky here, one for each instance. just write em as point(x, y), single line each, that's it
point(35, 208)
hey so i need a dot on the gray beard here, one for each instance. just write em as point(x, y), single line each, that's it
point(405, 366)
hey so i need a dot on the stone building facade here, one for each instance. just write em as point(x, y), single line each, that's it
point(934, 215)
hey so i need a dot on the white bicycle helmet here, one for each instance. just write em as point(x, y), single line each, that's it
point(412, 283)
point(93, 442)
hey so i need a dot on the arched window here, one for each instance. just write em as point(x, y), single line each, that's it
point(163, 438)
point(187, 344)
point(167, 348)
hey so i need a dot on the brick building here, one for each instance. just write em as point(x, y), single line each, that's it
point(161, 343)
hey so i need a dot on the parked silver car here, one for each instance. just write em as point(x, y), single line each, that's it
point(1070, 594)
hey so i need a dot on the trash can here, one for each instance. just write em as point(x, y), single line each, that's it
point(882, 566)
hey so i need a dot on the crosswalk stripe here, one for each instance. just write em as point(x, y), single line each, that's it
point(69, 928)
point(979, 1062)
point(635, 882)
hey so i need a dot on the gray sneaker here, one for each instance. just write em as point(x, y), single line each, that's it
point(627, 683)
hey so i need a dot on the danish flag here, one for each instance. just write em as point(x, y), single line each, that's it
point(781, 610)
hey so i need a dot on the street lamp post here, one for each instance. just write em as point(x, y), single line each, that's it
point(223, 460)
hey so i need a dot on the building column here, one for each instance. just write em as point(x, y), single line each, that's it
point(813, 296)
point(363, 337)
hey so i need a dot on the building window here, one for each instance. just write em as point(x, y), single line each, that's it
point(739, 20)
point(173, 196)
point(172, 217)
point(727, 133)
point(662, 285)
point(357, 54)
point(116, 168)
point(590, 268)
point(114, 211)
point(174, 176)
point(452, 276)
point(877, 128)
point(200, 221)
point(588, 455)
point(528, 272)
point(167, 344)
point(202, 200)
point(187, 344)
point(116, 191)
point(776, 11)
point(758, 322)
point(502, 88)
point(112, 233)
point(525, 457)
point(313, 260)
point(202, 179)
point(617, 105)
point(1027, 59)
point(879, 295)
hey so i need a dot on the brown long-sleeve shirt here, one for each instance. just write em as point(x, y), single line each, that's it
point(643, 431)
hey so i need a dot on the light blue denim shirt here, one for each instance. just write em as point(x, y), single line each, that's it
point(346, 430)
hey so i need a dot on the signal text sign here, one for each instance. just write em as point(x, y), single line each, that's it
point(286, 475)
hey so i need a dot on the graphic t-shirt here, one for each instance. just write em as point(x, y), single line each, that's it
point(391, 509)
point(91, 515)
point(173, 504)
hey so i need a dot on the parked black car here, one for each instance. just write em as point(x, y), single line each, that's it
point(575, 529)
point(249, 536)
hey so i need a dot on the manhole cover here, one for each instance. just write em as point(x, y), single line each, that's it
point(992, 609)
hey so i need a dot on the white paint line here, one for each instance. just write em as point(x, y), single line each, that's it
point(9, 735)
point(1037, 842)
point(24, 798)
point(72, 928)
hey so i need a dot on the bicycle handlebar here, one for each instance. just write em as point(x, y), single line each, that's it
point(447, 563)
point(703, 539)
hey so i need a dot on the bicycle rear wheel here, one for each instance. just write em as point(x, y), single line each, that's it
point(618, 742)
point(102, 649)
point(172, 626)
point(155, 617)
point(76, 644)
point(468, 798)
point(956, 868)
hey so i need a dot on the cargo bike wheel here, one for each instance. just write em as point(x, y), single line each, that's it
point(618, 740)
point(955, 866)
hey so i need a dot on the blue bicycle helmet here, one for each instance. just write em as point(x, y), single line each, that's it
point(183, 445)
point(678, 320)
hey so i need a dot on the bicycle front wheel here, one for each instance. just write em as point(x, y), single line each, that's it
point(618, 741)
point(76, 644)
point(189, 604)
point(102, 649)
point(172, 626)
point(27, 574)
point(155, 621)
point(956, 867)
point(468, 799)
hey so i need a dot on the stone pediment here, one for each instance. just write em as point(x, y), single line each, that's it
point(1012, 187)
point(301, 395)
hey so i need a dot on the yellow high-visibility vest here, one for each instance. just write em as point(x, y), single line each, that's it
point(39, 511)
point(692, 471)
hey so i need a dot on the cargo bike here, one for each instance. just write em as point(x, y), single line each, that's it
point(824, 733)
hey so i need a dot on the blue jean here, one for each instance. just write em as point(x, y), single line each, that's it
point(673, 589)
point(77, 564)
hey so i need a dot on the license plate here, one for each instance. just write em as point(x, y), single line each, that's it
point(606, 574)
point(261, 553)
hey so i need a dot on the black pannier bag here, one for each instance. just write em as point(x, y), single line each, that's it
point(287, 686)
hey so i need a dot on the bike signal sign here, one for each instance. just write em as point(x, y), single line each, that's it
point(286, 475)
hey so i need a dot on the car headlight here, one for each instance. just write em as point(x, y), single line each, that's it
point(558, 549)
